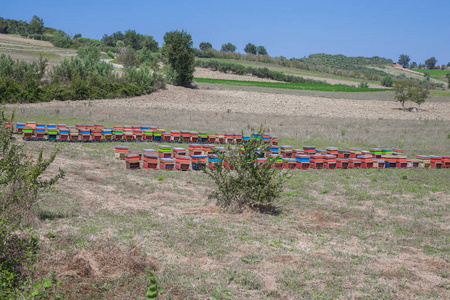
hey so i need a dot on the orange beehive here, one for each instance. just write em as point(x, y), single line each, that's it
point(195, 149)
point(229, 138)
point(179, 152)
point(176, 135)
point(194, 136)
point(182, 162)
point(166, 164)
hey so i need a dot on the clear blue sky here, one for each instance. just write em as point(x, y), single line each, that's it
point(418, 28)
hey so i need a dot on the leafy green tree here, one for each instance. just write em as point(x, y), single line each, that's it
point(250, 48)
point(205, 46)
point(36, 25)
point(178, 54)
point(413, 65)
point(261, 50)
point(62, 40)
point(406, 89)
point(89, 53)
point(387, 81)
point(128, 58)
point(76, 36)
point(448, 65)
point(246, 183)
point(418, 93)
point(427, 76)
point(431, 63)
point(404, 60)
point(228, 47)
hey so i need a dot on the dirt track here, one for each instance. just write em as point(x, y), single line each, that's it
point(14, 38)
point(178, 98)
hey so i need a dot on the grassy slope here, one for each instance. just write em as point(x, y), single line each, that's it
point(287, 70)
point(436, 74)
point(295, 86)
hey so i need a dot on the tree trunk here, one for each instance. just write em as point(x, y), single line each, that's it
point(403, 105)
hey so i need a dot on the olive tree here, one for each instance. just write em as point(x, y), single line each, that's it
point(406, 89)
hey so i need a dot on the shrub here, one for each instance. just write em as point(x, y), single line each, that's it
point(387, 81)
point(110, 54)
point(363, 85)
point(246, 183)
point(20, 184)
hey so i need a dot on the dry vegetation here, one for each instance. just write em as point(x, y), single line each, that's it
point(348, 234)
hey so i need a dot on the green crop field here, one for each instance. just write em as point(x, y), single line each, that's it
point(436, 74)
point(293, 86)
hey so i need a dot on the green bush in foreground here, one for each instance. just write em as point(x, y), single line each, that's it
point(20, 184)
point(246, 183)
point(387, 81)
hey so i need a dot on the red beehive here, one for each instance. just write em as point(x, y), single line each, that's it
point(79, 126)
point(194, 136)
point(166, 137)
point(286, 151)
point(333, 150)
point(98, 126)
point(127, 127)
point(289, 163)
point(166, 164)
point(212, 138)
point(185, 136)
point(164, 151)
point(413, 163)
point(89, 126)
point(366, 160)
point(150, 161)
point(182, 162)
point(195, 149)
point(446, 161)
point(342, 163)
point(237, 138)
point(128, 135)
point(229, 138)
point(123, 149)
point(138, 134)
point(329, 161)
point(132, 161)
point(179, 152)
point(273, 140)
point(176, 135)
point(354, 163)
point(208, 149)
point(96, 135)
point(379, 163)
point(317, 161)
point(220, 137)
point(436, 161)
point(297, 151)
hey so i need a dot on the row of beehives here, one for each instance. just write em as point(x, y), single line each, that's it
point(279, 157)
point(98, 133)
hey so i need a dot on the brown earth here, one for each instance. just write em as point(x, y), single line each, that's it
point(15, 38)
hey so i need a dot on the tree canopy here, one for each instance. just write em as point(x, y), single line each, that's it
point(36, 25)
point(261, 50)
point(404, 60)
point(250, 48)
point(406, 89)
point(430, 63)
point(179, 55)
point(228, 47)
point(205, 46)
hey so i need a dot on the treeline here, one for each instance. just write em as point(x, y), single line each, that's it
point(359, 72)
point(74, 79)
point(227, 67)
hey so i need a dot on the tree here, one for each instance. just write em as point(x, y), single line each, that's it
point(413, 65)
point(179, 56)
point(448, 65)
point(404, 60)
point(430, 63)
point(36, 25)
point(418, 93)
point(406, 89)
point(261, 50)
point(242, 182)
point(205, 46)
point(250, 48)
point(128, 57)
point(76, 36)
point(427, 75)
point(448, 78)
point(229, 47)
point(387, 81)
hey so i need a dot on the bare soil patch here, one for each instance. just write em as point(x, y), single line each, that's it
point(14, 38)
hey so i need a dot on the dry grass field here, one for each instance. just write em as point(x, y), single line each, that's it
point(339, 234)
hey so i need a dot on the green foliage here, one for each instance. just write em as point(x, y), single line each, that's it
point(89, 53)
point(363, 85)
point(239, 69)
point(204, 46)
point(261, 50)
point(20, 183)
point(246, 183)
point(62, 40)
point(448, 78)
point(430, 63)
point(228, 47)
point(36, 25)
point(413, 65)
point(387, 81)
point(110, 54)
point(410, 90)
point(292, 86)
point(128, 57)
point(404, 60)
point(250, 48)
point(153, 289)
point(131, 39)
point(427, 76)
point(179, 56)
